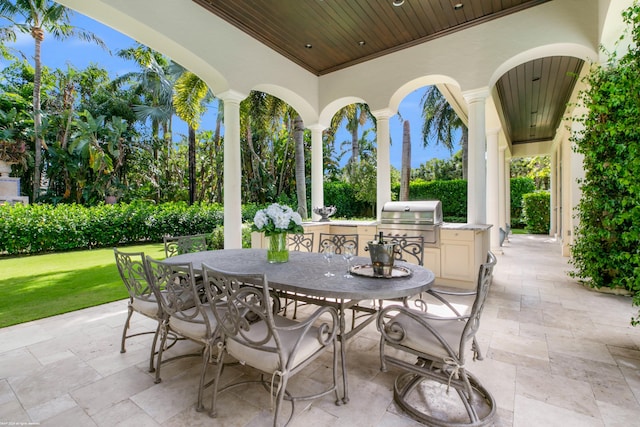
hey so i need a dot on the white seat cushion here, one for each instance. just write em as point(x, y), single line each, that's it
point(195, 329)
point(148, 308)
point(270, 362)
point(417, 337)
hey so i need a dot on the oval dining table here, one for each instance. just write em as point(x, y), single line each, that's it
point(303, 277)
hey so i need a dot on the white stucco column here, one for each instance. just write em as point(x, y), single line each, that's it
point(317, 171)
point(477, 175)
point(502, 185)
point(232, 170)
point(383, 160)
point(553, 195)
point(507, 192)
point(493, 188)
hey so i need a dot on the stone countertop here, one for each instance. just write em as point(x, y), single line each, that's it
point(464, 226)
point(445, 226)
point(343, 222)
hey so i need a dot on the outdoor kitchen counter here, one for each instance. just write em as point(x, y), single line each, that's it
point(454, 260)
point(338, 222)
point(459, 226)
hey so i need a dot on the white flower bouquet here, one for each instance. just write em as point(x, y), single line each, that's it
point(277, 219)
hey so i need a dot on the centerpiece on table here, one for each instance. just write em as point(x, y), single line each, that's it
point(276, 222)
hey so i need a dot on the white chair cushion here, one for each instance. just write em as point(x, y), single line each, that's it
point(148, 308)
point(418, 338)
point(195, 329)
point(269, 362)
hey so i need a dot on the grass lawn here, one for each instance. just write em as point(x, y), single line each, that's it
point(38, 286)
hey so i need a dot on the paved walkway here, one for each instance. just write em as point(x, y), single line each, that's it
point(556, 354)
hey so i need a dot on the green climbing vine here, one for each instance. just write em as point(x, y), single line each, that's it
point(606, 251)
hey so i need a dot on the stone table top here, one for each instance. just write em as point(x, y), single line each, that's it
point(304, 274)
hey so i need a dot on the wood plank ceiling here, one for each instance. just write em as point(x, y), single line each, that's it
point(534, 96)
point(327, 35)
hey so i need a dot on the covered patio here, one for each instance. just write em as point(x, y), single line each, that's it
point(511, 70)
point(566, 356)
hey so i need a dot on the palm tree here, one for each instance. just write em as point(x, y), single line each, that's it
point(272, 130)
point(356, 115)
point(301, 187)
point(155, 85)
point(37, 17)
point(190, 93)
point(6, 35)
point(440, 122)
point(405, 175)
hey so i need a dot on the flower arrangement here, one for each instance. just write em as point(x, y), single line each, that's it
point(277, 219)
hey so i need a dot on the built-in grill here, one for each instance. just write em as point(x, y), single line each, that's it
point(413, 218)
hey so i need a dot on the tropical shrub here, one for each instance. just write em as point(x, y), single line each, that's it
point(536, 212)
point(605, 251)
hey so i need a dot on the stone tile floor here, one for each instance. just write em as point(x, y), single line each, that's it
point(556, 354)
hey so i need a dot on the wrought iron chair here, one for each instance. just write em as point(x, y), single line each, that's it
point(439, 343)
point(187, 316)
point(142, 299)
point(178, 245)
point(410, 249)
point(338, 240)
point(276, 346)
point(447, 301)
point(302, 242)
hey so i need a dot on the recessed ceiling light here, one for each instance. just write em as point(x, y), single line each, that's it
point(308, 46)
point(362, 43)
point(398, 2)
point(458, 6)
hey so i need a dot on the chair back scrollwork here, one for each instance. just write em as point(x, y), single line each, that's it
point(132, 271)
point(302, 242)
point(409, 248)
point(338, 240)
point(176, 288)
point(142, 298)
point(179, 245)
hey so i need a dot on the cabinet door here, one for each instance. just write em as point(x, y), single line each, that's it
point(457, 260)
point(432, 260)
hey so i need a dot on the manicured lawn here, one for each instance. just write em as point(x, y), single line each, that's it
point(40, 286)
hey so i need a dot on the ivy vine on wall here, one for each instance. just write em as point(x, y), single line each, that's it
point(606, 251)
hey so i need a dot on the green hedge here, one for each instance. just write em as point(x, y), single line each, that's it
point(46, 228)
point(535, 211)
point(519, 187)
point(452, 194)
point(343, 197)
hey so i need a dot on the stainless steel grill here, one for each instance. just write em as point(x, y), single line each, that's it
point(413, 218)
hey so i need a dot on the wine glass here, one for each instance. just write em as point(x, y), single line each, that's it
point(348, 252)
point(328, 249)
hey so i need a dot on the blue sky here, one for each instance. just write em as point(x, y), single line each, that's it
point(79, 54)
